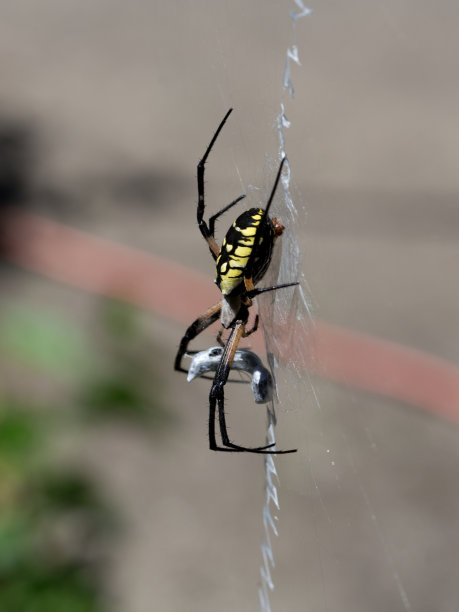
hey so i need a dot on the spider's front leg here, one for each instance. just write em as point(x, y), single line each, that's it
point(208, 231)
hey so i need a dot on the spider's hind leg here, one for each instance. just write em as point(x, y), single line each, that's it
point(217, 398)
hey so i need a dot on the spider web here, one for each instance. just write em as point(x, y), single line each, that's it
point(288, 326)
point(326, 464)
point(286, 320)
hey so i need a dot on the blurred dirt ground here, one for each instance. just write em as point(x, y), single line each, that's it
point(105, 109)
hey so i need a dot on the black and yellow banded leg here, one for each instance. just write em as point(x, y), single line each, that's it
point(198, 326)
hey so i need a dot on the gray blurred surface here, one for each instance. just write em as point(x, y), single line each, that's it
point(121, 99)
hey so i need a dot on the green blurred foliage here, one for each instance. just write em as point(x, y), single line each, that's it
point(19, 433)
point(55, 524)
point(126, 386)
point(49, 523)
point(42, 340)
point(33, 587)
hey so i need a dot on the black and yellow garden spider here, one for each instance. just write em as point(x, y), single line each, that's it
point(241, 262)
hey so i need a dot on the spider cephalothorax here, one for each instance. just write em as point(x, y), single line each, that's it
point(241, 262)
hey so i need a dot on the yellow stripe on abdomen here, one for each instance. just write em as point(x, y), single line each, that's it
point(243, 251)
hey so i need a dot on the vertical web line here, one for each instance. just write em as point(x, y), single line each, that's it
point(289, 269)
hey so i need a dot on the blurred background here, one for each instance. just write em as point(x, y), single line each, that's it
point(110, 498)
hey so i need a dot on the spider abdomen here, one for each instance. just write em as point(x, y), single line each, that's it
point(237, 248)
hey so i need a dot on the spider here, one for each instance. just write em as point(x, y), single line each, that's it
point(240, 263)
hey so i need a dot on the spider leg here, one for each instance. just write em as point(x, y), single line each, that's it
point(254, 327)
point(217, 398)
point(212, 409)
point(219, 337)
point(229, 447)
point(248, 280)
point(254, 292)
point(245, 334)
point(205, 231)
point(220, 212)
point(198, 326)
